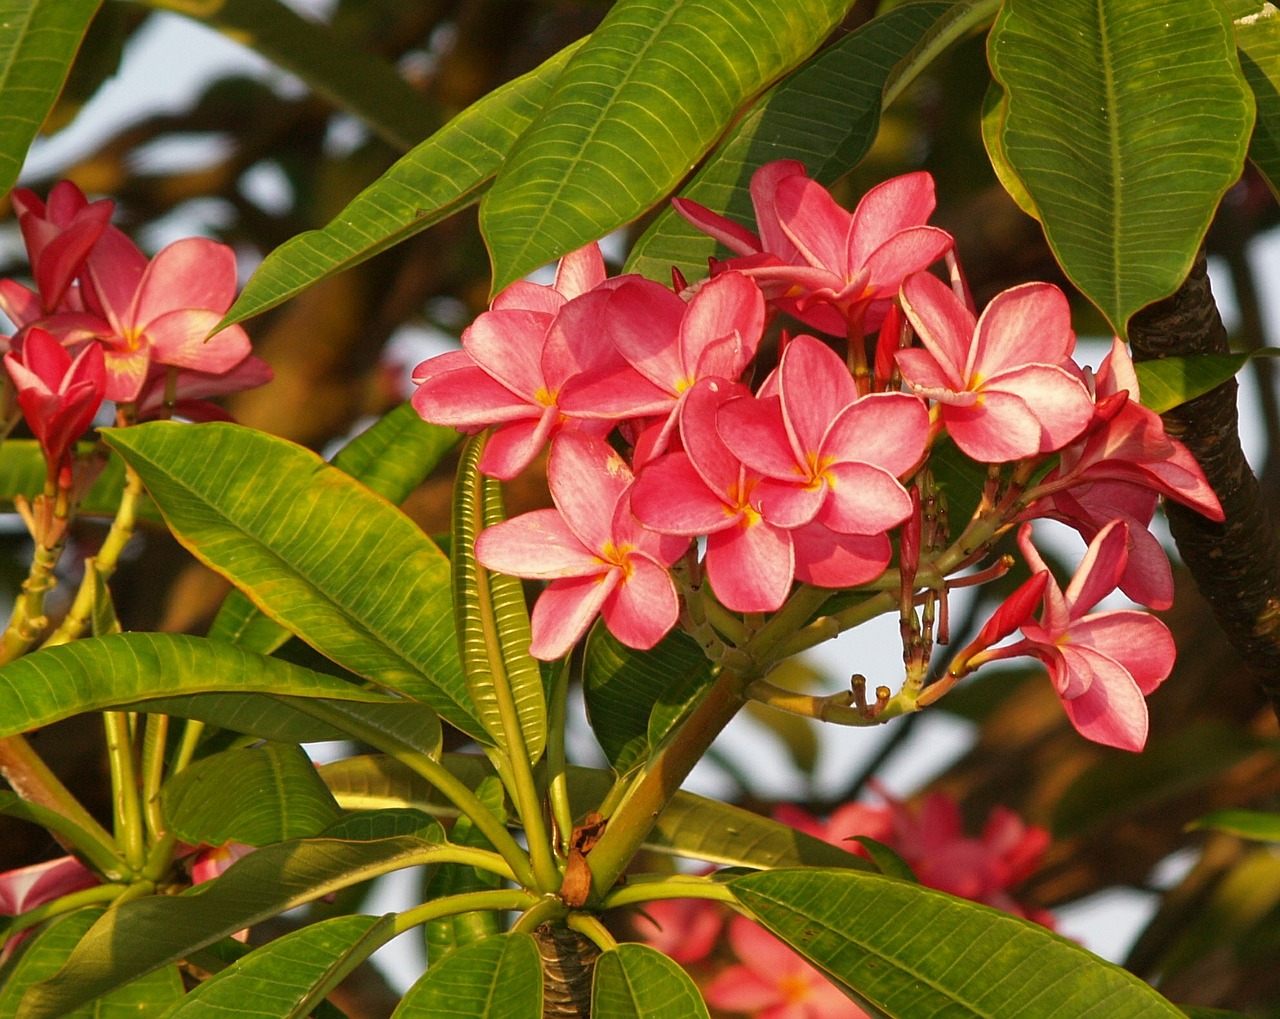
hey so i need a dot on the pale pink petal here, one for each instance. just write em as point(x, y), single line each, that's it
point(818, 227)
point(508, 345)
point(580, 270)
point(587, 478)
point(513, 446)
point(564, 611)
point(1140, 643)
point(944, 325)
point(468, 397)
point(753, 429)
point(1100, 571)
point(181, 338)
point(114, 269)
point(193, 273)
point(1027, 324)
point(923, 372)
point(537, 546)
point(863, 500)
point(573, 343)
point(711, 457)
point(750, 565)
point(643, 320)
point(1111, 711)
point(764, 198)
point(889, 208)
point(828, 559)
point(816, 387)
point(902, 254)
point(671, 496)
point(734, 237)
point(889, 430)
point(727, 305)
point(1059, 400)
point(614, 393)
point(525, 296)
point(998, 429)
point(789, 505)
point(644, 606)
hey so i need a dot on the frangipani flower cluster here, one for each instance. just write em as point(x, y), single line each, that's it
point(665, 428)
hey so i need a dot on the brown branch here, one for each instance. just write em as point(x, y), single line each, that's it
point(1236, 564)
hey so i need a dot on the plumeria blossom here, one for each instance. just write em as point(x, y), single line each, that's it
point(596, 555)
point(682, 929)
point(999, 380)
point(59, 395)
point(515, 360)
point(26, 888)
point(1103, 663)
point(58, 236)
point(186, 393)
point(834, 270)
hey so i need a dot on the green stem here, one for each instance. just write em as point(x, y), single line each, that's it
point(557, 773)
point(546, 910)
point(793, 616)
point(154, 740)
point(650, 887)
point(28, 621)
point(591, 928)
point(126, 807)
point(65, 904)
point(467, 902)
point(191, 733)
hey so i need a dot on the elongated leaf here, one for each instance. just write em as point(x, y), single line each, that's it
point(145, 934)
point(251, 795)
point(503, 679)
point(391, 458)
point(909, 951)
point(285, 978)
point(636, 108)
point(623, 688)
point(38, 42)
point(444, 174)
point(1248, 824)
point(826, 115)
point(1125, 121)
point(127, 668)
point(1173, 381)
point(497, 978)
point(1258, 39)
point(638, 982)
point(46, 951)
point(371, 593)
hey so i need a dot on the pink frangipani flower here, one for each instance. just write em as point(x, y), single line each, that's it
point(596, 555)
point(59, 236)
point(28, 887)
point(682, 929)
point(1000, 380)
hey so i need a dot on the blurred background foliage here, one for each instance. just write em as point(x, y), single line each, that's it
point(275, 158)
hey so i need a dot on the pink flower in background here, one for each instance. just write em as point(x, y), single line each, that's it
point(212, 861)
point(835, 270)
point(595, 553)
point(28, 887)
point(1000, 381)
point(683, 929)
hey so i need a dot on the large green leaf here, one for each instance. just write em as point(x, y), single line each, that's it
point(908, 951)
point(638, 982)
point(497, 978)
point(285, 978)
point(826, 115)
point(636, 108)
point(1172, 381)
point(38, 41)
point(251, 795)
point(1258, 40)
point(129, 668)
point(43, 955)
point(317, 551)
point(1125, 121)
point(447, 172)
point(623, 688)
point(390, 458)
point(142, 935)
point(503, 679)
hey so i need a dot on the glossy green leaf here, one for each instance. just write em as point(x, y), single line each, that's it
point(1172, 764)
point(47, 949)
point(251, 795)
point(1257, 26)
point(623, 688)
point(350, 77)
point(1172, 381)
point(391, 458)
point(145, 934)
point(285, 978)
point(1126, 121)
point(497, 978)
point(371, 594)
point(887, 861)
point(909, 951)
point(503, 679)
point(1247, 824)
point(37, 45)
point(993, 111)
point(647, 95)
point(638, 982)
point(128, 668)
point(444, 174)
point(826, 115)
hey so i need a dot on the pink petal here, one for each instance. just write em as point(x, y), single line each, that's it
point(126, 371)
point(1140, 643)
point(734, 237)
point(580, 270)
point(828, 559)
point(181, 339)
point(565, 610)
point(525, 296)
point(1100, 571)
point(764, 199)
point(902, 254)
point(754, 431)
point(739, 989)
point(587, 478)
point(614, 393)
point(789, 505)
point(468, 397)
point(729, 305)
point(114, 269)
point(538, 546)
point(508, 345)
point(1060, 401)
point(643, 320)
point(194, 273)
point(513, 446)
point(750, 566)
point(818, 227)
point(573, 343)
point(944, 325)
point(863, 500)
point(1028, 324)
point(644, 607)
point(923, 372)
point(999, 429)
point(889, 208)
point(816, 387)
point(1111, 711)
point(671, 496)
point(711, 457)
point(889, 430)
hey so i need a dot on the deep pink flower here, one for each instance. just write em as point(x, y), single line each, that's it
point(682, 929)
point(28, 887)
point(835, 270)
point(1000, 380)
point(59, 236)
point(595, 553)
point(58, 395)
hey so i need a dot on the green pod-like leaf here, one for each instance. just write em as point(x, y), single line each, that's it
point(497, 978)
point(503, 679)
point(638, 982)
point(317, 551)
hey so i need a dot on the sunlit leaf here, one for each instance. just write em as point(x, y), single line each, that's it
point(1125, 121)
point(1172, 381)
point(497, 978)
point(1258, 39)
point(1247, 824)
point(641, 102)
point(638, 982)
point(910, 951)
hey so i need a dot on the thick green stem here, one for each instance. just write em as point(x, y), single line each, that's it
point(154, 738)
point(28, 621)
point(468, 902)
point(557, 773)
point(648, 888)
point(126, 805)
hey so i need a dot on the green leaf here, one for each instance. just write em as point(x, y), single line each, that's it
point(22, 472)
point(503, 679)
point(129, 668)
point(1126, 121)
point(251, 795)
point(1172, 381)
point(826, 115)
point(1247, 824)
point(371, 594)
point(1258, 41)
point(142, 935)
point(993, 111)
point(641, 102)
point(497, 978)
point(1198, 1012)
point(390, 458)
point(38, 44)
point(65, 829)
point(623, 688)
point(908, 951)
point(1172, 764)
point(444, 174)
point(887, 861)
point(287, 977)
point(638, 982)
point(45, 952)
